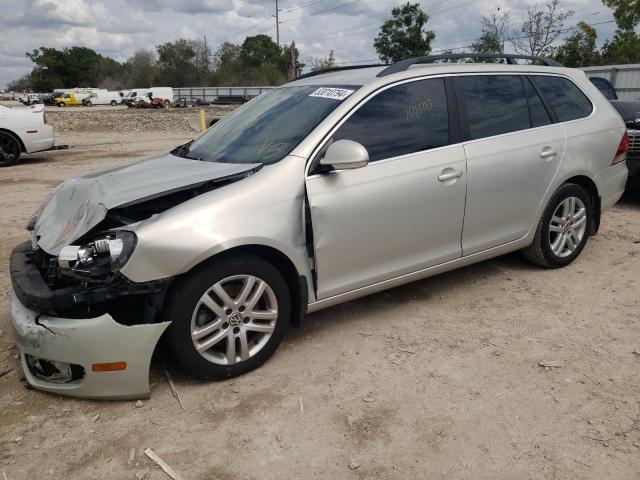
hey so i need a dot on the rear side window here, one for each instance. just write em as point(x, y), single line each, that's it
point(495, 104)
point(567, 101)
point(404, 119)
point(537, 111)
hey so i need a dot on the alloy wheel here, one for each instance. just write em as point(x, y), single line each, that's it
point(567, 226)
point(234, 319)
point(9, 149)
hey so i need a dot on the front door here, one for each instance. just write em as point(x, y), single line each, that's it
point(402, 212)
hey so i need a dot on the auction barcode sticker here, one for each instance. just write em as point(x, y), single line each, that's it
point(333, 93)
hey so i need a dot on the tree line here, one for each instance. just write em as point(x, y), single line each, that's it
point(258, 60)
point(404, 35)
point(184, 62)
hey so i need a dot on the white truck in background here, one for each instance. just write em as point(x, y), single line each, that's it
point(102, 97)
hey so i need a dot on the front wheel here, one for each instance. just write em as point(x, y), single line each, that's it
point(227, 318)
point(563, 229)
point(113, 103)
point(9, 149)
point(61, 104)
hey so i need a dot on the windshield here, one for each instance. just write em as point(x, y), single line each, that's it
point(269, 127)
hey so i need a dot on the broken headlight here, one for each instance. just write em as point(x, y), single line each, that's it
point(98, 259)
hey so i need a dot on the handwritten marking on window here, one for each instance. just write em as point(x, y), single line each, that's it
point(268, 149)
point(415, 111)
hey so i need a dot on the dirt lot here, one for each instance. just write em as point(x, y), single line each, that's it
point(437, 379)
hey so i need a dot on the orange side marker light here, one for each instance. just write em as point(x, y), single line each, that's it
point(109, 367)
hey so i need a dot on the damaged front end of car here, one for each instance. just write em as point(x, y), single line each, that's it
point(84, 328)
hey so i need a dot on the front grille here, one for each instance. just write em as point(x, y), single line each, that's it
point(634, 144)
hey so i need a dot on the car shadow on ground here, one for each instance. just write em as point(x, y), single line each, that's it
point(631, 199)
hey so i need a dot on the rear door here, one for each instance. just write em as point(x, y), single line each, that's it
point(404, 210)
point(513, 152)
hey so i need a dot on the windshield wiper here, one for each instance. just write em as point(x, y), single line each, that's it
point(182, 151)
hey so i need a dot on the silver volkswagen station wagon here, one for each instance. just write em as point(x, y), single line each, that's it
point(334, 186)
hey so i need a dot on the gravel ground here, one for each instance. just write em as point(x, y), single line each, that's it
point(436, 379)
point(129, 120)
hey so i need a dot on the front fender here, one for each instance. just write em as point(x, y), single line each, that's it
point(265, 208)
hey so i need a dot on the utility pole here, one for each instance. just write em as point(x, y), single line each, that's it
point(277, 25)
point(206, 54)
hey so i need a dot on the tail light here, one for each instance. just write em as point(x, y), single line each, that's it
point(44, 117)
point(621, 154)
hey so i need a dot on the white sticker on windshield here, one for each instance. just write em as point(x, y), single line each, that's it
point(333, 93)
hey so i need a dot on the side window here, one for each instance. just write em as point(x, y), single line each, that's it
point(537, 111)
point(495, 104)
point(403, 119)
point(567, 101)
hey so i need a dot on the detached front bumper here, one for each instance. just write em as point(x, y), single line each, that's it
point(82, 343)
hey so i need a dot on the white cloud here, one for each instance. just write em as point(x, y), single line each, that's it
point(117, 28)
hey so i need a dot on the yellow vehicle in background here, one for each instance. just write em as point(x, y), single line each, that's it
point(68, 100)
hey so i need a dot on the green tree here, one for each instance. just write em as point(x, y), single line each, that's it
point(141, 69)
point(625, 12)
point(70, 67)
point(403, 36)
point(487, 43)
point(176, 62)
point(323, 63)
point(579, 49)
point(261, 50)
point(624, 47)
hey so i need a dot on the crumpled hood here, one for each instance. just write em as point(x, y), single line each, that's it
point(79, 204)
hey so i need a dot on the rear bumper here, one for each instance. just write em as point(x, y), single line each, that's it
point(611, 182)
point(83, 343)
point(43, 139)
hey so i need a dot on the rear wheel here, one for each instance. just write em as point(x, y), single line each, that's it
point(113, 103)
point(61, 104)
point(229, 317)
point(563, 229)
point(88, 103)
point(9, 149)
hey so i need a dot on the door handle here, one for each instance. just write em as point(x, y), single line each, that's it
point(444, 177)
point(547, 153)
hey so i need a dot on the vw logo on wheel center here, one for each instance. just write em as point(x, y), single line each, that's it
point(235, 319)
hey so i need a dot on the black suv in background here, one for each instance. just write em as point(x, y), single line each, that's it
point(629, 110)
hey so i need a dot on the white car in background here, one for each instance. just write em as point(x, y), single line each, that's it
point(23, 130)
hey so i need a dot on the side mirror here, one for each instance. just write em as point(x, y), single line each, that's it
point(345, 155)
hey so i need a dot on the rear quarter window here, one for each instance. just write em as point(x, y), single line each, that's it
point(564, 97)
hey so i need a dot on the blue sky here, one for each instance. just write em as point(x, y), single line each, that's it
point(117, 28)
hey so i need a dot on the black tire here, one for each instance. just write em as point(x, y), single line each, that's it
point(61, 104)
point(113, 103)
point(540, 251)
point(10, 149)
point(88, 104)
point(184, 296)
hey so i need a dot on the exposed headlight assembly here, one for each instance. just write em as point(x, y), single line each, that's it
point(99, 258)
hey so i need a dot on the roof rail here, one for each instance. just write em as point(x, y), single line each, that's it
point(337, 69)
point(509, 57)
